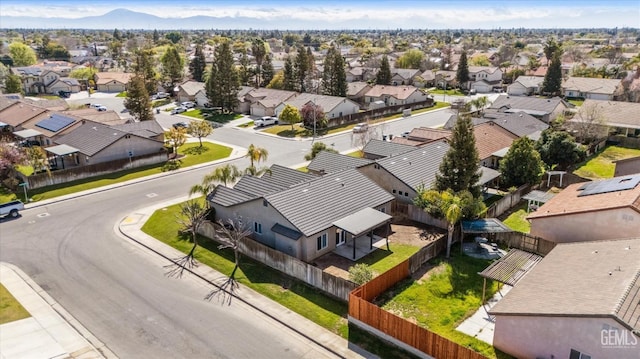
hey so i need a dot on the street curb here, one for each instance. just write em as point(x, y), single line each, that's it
point(93, 341)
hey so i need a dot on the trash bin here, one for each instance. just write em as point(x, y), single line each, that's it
point(158, 111)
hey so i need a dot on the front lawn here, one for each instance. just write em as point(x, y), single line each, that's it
point(451, 92)
point(10, 309)
point(122, 94)
point(440, 300)
point(601, 165)
point(194, 154)
point(211, 115)
point(297, 296)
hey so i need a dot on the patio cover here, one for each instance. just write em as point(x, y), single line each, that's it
point(27, 133)
point(61, 150)
point(362, 221)
point(487, 174)
point(512, 267)
point(485, 225)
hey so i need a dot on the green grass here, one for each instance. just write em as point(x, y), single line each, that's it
point(440, 303)
point(517, 219)
point(575, 102)
point(356, 154)
point(194, 155)
point(382, 260)
point(303, 169)
point(601, 165)
point(211, 115)
point(298, 297)
point(451, 92)
point(10, 309)
point(162, 102)
point(122, 94)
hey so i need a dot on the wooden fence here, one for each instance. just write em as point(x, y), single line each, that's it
point(368, 316)
point(377, 113)
point(526, 242)
point(506, 202)
point(293, 267)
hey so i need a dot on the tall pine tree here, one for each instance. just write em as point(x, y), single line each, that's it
point(301, 70)
point(383, 77)
point(334, 78)
point(460, 166)
point(289, 80)
point(172, 67)
point(553, 79)
point(145, 67)
point(197, 65)
point(222, 85)
point(138, 102)
point(267, 71)
point(462, 75)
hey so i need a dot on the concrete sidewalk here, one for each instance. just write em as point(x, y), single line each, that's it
point(130, 227)
point(50, 332)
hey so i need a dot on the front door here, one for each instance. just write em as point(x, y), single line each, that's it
point(341, 237)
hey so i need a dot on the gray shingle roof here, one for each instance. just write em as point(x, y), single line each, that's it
point(142, 128)
point(286, 176)
point(313, 206)
point(547, 105)
point(520, 124)
point(256, 186)
point(91, 137)
point(330, 162)
point(227, 197)
point(417, 167)
point(385, 148)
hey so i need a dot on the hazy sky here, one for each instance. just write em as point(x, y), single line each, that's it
point(407, 14)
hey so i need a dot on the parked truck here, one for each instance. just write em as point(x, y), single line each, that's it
point(11, 209)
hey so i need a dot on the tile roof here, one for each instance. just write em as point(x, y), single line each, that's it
point(192, 87)
point(385, 148)
point(591, 85)
point(426, 134)
point(227, 197)
point(330, 162)
point(617, 113)
point(269, 97)
point(327, 103)
point(530, 81)
point(18, 113)
point(286, 176)
point(519, 123)
point(491, 138)
point(417, 167)
point(33, 124)
point(569, 201)
point(547, 105)
point(353, 88)
point(91, 137)
point(399, 92)
point(105, 77)
point(256, 186)
point(141, 128)
point(109, 117)
point(563, 283)
point(313, 206)
point(406, 142)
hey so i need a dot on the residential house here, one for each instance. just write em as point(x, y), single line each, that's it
point(92, 143)
point(360, 74)
point(37, 79)
point(64, 84)
point(48, 127)
point(376, 149)
point(146, 129)
point(580, 301)
point(404, 76)
point(425, 79)
point(188, 90)
point(485, 79)
point(112, 81)
point(395, 95)
point(590, 88)
point(327, 162)
point(519, 123)
point(305, 220)
point(445, 79)
point(620, 117)
point(525, 86)
point(627, 166)
point(545, 109)
point(263, 101)
point(598, 210)
point(109, 117)
point(18, 112)
point(492, 142)
point(421, 135)
point(357, 90)
point(243, 106)
point(333, 106)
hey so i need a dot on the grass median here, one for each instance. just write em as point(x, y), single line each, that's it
point(10, 309)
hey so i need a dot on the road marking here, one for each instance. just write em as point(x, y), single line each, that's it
point(42, 215)
point(151, 195)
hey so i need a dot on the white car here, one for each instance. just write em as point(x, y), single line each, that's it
point(98, 107)
point(178, 110)
point(160, 95)
point(188, 104)
point(361, 127)
point(266, 121)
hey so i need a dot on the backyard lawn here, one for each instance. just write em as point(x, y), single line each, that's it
point(300, 298)
point(601, 165)
point(10, 309)
point(517, 219)
point(441, 299)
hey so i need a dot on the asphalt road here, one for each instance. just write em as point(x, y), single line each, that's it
point(120, 293)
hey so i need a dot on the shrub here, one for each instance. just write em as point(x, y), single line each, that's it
point(361, 273)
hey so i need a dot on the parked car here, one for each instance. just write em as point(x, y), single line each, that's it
point(266, 121)
point(361, 127)
point(188, 104)
point(178, 110)
point(160, 95)
point(11, 209)
point(180, 125)
point(98, 107)
point(405, 134)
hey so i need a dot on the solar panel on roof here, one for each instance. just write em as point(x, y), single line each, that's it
point(611, 185)
point(55, 123)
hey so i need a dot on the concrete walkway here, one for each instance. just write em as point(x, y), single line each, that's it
point(50, 332)
point(481, 325)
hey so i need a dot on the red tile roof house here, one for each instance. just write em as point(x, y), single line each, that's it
point(581, 301)
point(591, 211)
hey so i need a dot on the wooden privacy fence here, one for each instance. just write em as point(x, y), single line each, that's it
point(505, 203)
point(526, 242)
point(293, 267)
point(404, 333)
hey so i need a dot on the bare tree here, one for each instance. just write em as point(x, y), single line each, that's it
point(230, 234)
point(361, 138)
point(589, 124)
point(192, 216)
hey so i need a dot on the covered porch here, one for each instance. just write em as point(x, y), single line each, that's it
point(360, 227)
point(59, 152)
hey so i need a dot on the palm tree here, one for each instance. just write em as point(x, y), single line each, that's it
point(256, 154)
point(451, 207)
point(225, 174)
point(257, 172)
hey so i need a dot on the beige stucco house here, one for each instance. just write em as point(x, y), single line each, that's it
point(591, 211)
point(263, 101)
point(332, 106)
point(112, 81)
point(395, 95)
point(581, 301)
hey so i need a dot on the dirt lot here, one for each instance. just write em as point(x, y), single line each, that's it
point(402, 232)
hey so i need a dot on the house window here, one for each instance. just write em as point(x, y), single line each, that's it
point(406, 194)
point(394, 191)
point(265, 203)
point(322, 241)
point(341, 237)
point(577, 355)
point(383, 210)
point(257, 228)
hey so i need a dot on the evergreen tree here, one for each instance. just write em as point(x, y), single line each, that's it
point(301, 70)
point(462, 75)
point(197, 65)
point(156, 36)
point(334, 78)
point(553, 79)
point(459, 170)
point(559, 148)
point(244, 72)
point(138, 102)
point(521, 164)
point(13, 84)
point(383, 77)
point(145, 68)
point(550, 48)
point(116, 35)
point(289, 80)
point(267, 71)
point(222, 85)
point(172, 67)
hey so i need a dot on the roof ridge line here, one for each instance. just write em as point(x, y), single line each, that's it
point(626, 293)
